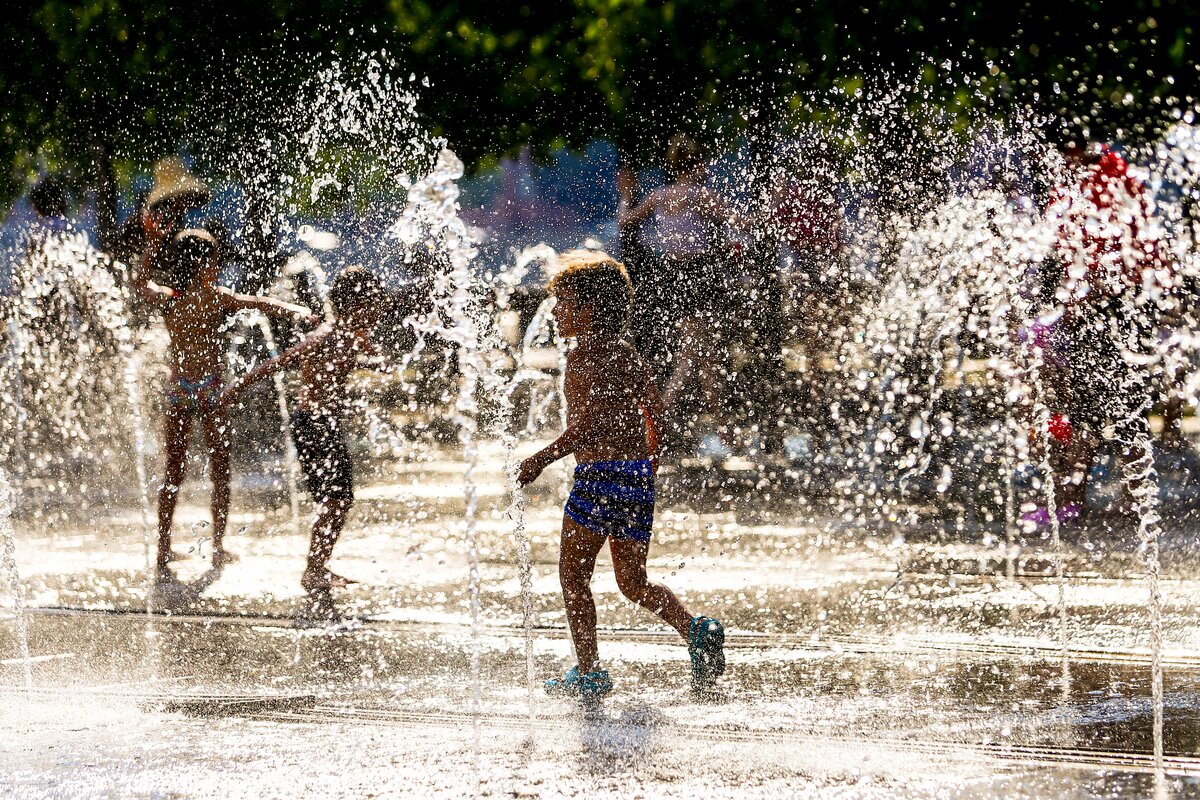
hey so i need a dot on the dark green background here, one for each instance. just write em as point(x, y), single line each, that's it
point(135, 80)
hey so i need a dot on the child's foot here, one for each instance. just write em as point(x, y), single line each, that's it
point(163, 573)
point(316, 581)
point(222, 558)
point(706, 646)
point(169, 592)
point(317, 610)
point(593, 684)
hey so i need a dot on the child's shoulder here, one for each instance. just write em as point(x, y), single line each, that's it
point(601, 348)
point(317, 340)
point(612, 357)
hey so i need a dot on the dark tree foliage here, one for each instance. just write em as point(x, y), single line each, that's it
point(140, 78)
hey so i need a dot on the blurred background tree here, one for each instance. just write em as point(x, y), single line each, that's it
point(94, 87)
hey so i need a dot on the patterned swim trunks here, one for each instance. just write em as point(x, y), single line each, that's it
point(614, 498)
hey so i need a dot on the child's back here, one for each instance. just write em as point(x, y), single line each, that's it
point(326, 366)
point(608, 382)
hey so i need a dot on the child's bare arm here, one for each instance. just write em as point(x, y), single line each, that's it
point(650, 401)
point(631, 216)
point(578, 434)
point(572, 439)
point(288, 358)
point(234, 302)
point(145, 288)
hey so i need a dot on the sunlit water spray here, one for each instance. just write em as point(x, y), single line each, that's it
point(291, 468)
point(8, 543)
point(947, 291)
point(431, 216)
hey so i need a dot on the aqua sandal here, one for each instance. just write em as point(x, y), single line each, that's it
point(706, 646)
point(593, 684)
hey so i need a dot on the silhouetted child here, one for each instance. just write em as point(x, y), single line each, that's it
point(612, 412)
point(325, 358)
point(194, 308)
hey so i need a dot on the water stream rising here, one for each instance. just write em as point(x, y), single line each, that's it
point(290, 466)
point(9, 555)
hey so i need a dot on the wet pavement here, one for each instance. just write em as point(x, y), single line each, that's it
point(862, 664)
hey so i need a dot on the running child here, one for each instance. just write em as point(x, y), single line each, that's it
point(612, 412)
point(194, 308)
point(325, 358)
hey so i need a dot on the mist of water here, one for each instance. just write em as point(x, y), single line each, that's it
point(9, 556)
point(943, 272)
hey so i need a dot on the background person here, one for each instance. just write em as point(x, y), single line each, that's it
point(1108, 253)
point(692, 279)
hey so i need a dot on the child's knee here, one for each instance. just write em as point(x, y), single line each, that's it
point(635, 588)
point(338, 502)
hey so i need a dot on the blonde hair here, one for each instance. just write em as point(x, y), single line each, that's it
point(599, 283)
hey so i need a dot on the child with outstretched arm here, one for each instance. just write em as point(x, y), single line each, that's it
point(612, 413)
point(194, 308)
point(326, 358)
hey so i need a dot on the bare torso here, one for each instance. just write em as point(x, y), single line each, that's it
point(605, 384)
point(326, 367)
point(194, 319)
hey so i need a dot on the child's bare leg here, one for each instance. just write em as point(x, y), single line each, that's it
point(629, 564)
point(176, 428)
point(710, 368)
point(331, 516)
point(215, 433)
point(576, 562)
point(685, 366)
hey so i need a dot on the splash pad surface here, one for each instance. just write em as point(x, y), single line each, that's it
point(859, 666)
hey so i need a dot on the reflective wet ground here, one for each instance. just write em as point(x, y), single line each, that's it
point(861, 664)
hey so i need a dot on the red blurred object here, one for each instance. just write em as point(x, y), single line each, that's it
point(1061, 429)
point(1103, 224)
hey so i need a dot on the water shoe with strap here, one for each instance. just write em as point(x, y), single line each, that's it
point(592, 684)
point(706, 646)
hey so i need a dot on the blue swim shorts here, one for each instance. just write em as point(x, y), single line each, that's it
point(614, 498)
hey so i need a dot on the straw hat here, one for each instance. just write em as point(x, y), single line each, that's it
point(173, 181)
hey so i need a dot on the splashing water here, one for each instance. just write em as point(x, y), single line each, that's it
point(942, 276)
point(9, 555)
point(525, 577)
point(431, 215)
point(291, 468)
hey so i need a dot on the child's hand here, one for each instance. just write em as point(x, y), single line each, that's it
point(530, 469)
